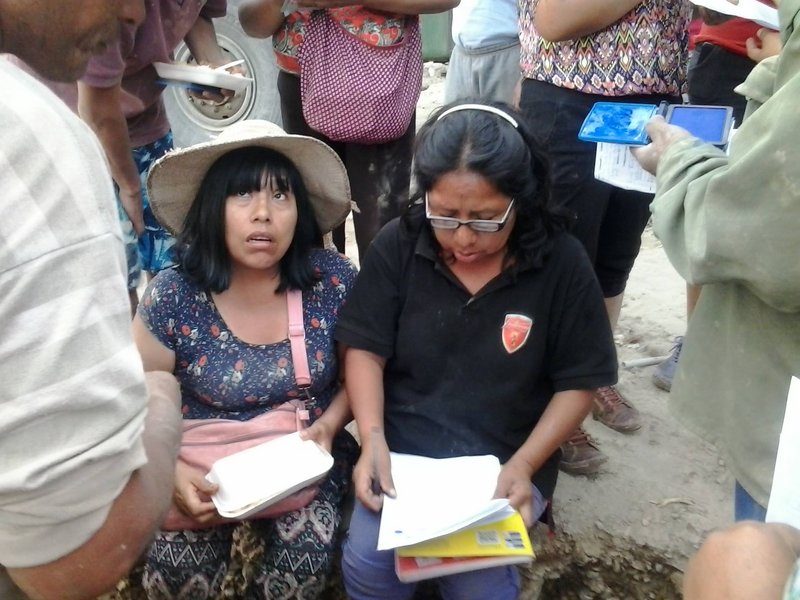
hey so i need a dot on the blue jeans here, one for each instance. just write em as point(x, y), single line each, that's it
point(745, 507)
point(369, 573)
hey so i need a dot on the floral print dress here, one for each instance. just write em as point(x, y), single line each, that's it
point(222, 376)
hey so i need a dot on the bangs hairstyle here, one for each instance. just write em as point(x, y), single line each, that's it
point(201, 247)
point(508, 157)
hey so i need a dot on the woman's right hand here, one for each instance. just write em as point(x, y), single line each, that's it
point(372, 475)
point(193, 493)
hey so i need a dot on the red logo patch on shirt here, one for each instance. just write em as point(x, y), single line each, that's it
point(516, 329)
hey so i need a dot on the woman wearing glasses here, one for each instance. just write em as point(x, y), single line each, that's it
point(476, 326)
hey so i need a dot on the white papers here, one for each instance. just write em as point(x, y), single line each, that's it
point(439, 496)
point(615, 164)
point(752, 10)
point(253, 479)
point(784, 499)
point(202, 75)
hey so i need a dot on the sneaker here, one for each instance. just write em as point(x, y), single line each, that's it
point(613, 411)
point(665, 372)
point(580, 455)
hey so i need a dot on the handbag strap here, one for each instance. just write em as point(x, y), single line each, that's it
point(297, 339)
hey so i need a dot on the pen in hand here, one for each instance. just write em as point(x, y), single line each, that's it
point(381, 465)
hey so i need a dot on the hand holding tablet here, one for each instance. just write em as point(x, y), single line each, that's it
point(624, 123)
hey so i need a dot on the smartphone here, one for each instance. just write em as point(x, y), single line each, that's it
point(617, 123)
point(711, 124)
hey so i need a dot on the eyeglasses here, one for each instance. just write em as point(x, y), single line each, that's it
point(479, 225)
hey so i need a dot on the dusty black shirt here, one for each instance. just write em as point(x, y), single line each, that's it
point(462, 376)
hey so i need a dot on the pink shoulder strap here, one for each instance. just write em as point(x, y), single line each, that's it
point(297, 338)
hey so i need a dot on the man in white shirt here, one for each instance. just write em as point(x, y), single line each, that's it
point(87, 459)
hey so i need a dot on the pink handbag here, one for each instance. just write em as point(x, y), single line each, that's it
point(354, 92)
point(205, 441)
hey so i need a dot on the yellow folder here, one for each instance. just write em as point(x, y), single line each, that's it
point(508, 537)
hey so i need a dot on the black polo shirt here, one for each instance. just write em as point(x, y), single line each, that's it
point(457, 381)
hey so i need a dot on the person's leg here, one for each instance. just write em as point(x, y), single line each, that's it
point(369, 573)
point(498, 72)
point(299, 552)
point(489, 74)
point(156, 243)
point(132, 258)
point(380, 177)
point(555, 115)
point(459, 81)
point(188, 564)
point(496, 583)
point(294, 122)
point(745, 507)
point(619, 240)
point(300, 547)
point(618, 246)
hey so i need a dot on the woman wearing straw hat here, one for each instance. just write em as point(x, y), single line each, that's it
point(249, 210)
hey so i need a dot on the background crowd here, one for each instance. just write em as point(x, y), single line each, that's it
point(482, 319)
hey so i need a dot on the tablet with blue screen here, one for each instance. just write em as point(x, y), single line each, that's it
point(711, 124)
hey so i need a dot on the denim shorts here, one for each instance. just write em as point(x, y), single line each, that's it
point(152, 251)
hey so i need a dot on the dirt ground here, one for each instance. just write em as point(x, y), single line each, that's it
point(628, 532)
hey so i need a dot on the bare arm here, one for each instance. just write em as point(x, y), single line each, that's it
point(335, 417)
point(404, 7)
point(364, 379)
point(112, 551)
point(563, 414)
point(747, 560)
point(559, 20)
point(412, 7)
point(260, 18)
point(202, 43)
point(101, 108)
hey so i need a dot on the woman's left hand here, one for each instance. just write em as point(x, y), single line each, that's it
point(320, 432)
point(514, 483)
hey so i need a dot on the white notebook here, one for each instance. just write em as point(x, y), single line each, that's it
point(439, 496)
point(253, 479)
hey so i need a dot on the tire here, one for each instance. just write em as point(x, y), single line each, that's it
point(193, 122)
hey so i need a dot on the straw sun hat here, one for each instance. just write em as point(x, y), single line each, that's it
point(175, 178)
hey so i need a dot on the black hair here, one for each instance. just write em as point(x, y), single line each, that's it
point(509, 157)
point(201, 249)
